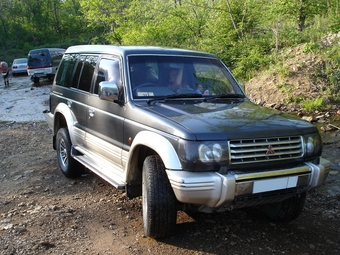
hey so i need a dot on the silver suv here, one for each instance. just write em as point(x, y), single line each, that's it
point(175, 127)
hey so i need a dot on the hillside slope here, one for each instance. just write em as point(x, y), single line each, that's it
point(298, 77)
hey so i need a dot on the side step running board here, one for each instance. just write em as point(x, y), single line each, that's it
point(105, 170)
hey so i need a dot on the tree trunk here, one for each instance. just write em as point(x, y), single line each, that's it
point(301, 17)
point(232, 18)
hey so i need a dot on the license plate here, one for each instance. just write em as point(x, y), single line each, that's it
point(274, 184)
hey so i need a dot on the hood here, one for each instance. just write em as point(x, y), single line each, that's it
point(231, 120)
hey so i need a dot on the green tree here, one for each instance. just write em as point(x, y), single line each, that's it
point(103, 18)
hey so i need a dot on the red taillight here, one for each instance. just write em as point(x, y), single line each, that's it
point(14, 67)
point(36, 67)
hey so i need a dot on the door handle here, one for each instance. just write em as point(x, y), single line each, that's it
point(91, 113)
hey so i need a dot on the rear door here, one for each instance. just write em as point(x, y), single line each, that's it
point(74, 81)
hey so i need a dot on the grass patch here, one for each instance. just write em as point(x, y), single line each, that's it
point(297, 99)
point(285, 87)
point(283, 70)
point(313, 104)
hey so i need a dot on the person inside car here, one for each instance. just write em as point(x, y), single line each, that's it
point(200, 89)
point(176, 79)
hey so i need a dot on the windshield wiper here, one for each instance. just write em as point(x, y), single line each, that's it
point(225, 96)
point(174, 96)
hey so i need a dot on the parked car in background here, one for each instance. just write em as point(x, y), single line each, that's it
point(19, 66)
point(43, 63)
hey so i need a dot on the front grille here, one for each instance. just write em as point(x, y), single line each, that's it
point(265, 150)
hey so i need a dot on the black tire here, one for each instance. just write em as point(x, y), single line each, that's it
point(286, 210)
point(68, 165)
point(159, 201)
point(36, 80)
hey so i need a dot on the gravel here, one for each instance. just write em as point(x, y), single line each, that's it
point(23, 101)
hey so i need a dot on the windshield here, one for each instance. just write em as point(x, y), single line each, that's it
point(159, 76)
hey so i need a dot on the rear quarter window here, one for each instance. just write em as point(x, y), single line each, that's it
point(65, 71)
point(56, 56)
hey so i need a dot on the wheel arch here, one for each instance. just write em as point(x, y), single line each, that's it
point(63, 117)
point(147, 143)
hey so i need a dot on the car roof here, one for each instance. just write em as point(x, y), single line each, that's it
point(134, 50)
point(20, 59)
point(47, 49)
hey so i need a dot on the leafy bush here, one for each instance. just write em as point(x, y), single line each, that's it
point(313, 104)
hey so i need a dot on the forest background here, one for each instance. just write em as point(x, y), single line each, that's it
point(250, 36)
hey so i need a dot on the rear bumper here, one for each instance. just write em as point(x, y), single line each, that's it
point(215, 190)
point(40, 72)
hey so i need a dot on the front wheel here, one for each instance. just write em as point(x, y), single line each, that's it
point(159, 201)
point(68, 165)
point(286, 210)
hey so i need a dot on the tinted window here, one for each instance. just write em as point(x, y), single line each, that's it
point(79, 67)
point(56, 56)
point(39, 58)
point(65, 71)
point(89, 64)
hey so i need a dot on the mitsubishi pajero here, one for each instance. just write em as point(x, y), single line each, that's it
point(175, 127)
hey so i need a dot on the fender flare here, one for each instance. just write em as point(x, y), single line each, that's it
point(70, 119)
point(162, 146)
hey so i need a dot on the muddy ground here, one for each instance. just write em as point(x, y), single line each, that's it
point(42, 212)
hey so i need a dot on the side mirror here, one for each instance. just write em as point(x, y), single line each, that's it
point(108, 91)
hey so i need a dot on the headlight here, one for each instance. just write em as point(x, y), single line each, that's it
point(313, 145)
point(203, 156)
point(210, 154)
point(205, 153)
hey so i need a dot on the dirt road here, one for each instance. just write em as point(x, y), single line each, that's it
point(42, 212)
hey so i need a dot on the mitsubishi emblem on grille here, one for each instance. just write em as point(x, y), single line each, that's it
point(270, 150)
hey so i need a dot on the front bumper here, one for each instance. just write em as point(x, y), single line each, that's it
point(215, 190)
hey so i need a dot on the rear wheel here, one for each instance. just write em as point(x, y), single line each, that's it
point(286, 210)
point(68, 165)
point(159, 201)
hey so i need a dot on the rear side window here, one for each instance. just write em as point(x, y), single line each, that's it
point(89, 64)
point(39, 59)
point(77, 72)
point(65, 71)
point(56, 56)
